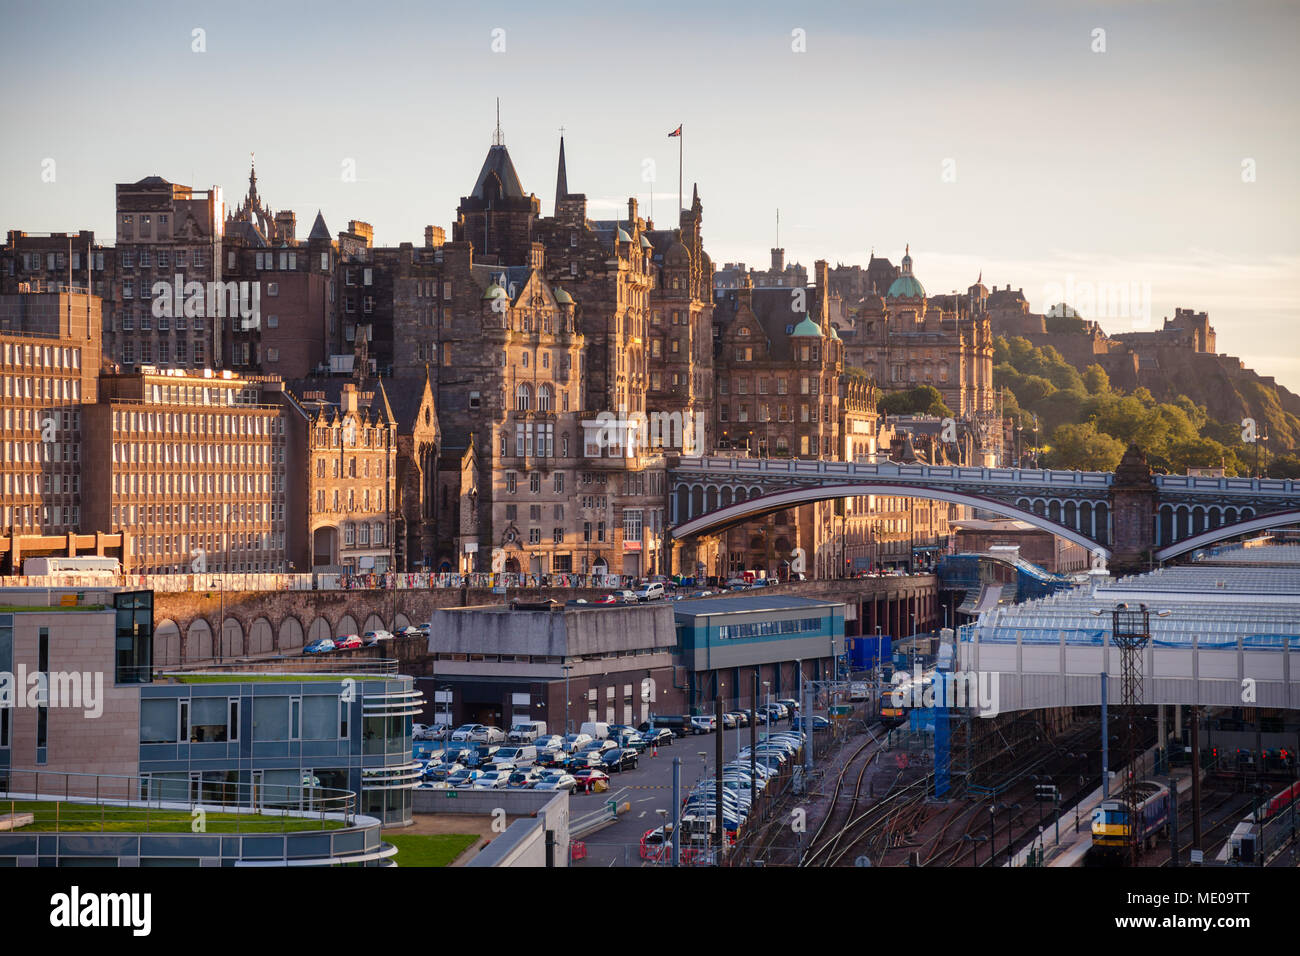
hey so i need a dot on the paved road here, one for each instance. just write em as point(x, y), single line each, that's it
point(649, 789)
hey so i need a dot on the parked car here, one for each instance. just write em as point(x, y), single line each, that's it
point(817, 721)
point(463, 779)
point(322, 646)
point(619, 759)
point(478, 733)
point(595, 729)
point(429, 731)
point(573, 741)
point(589, 777)
point(729, 721)
point(523, 755)
point(524, 779)
point(526, 732)
point(790, 704)
point(345, 642)
point(584, 760)
point(409, 631)
point(548, 742)
point(678, 724)
point(651, 592)
point(623, 597)
point(372, 638)
point(704, 723)
point(657, 737)
point(600, 746)
point(557, 780)
point(493, 780)
point(737, 584)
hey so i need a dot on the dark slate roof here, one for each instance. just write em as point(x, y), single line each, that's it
point(404, 398)
point(318, 228)
point(152, 181)
point(246, 231)
point(498, 163)
point(332, 387)
point(772, 309)
point(485, 275)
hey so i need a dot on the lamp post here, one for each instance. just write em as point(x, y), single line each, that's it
point(566, 668)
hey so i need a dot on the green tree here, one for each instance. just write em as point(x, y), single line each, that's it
point(1084, 448)
point(1095, 380)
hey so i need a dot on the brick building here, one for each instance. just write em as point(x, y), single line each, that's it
point(191, 469)
point(49, 363)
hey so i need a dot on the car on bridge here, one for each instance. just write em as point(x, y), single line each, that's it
point(347, 642)
point(322, 646)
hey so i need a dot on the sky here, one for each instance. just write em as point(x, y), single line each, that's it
point(1064, 148)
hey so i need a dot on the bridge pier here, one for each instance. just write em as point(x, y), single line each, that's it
point(1133, 501)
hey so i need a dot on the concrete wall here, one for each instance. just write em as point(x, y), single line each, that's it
point(570, 632)
point(524, 841)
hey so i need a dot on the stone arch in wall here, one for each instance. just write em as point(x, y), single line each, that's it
point(401, 621)
point(166, 644)
point(198, 641)
point(291, 634)
point(320, 630)
point(347, 625)
point(373, 623)
point(261, 638)
point(232, 638)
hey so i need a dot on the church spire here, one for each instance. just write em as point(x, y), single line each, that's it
point(561, 177)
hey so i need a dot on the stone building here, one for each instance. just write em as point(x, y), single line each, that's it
point(49, 367)
point(351, 478)
point(191, 468)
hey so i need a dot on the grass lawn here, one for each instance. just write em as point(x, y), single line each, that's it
point(429, 849)
point(91, 818)
point(264, 677)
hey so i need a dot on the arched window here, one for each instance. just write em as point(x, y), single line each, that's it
point(523, 398)
point(544, 398)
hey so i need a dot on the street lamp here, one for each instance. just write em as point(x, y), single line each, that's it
point(566, 668)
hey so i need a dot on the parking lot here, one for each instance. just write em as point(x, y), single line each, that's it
point(647, 790)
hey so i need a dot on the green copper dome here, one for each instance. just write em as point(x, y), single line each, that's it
point(906, 287)
point(807, 327)
point(623, 236)
point(562, 297)
point(493, 291)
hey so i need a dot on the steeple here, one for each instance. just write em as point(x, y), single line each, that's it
point(561, 178)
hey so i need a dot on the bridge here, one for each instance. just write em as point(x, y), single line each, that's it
point(1129, 518)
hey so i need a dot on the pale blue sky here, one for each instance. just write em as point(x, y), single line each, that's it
point(1071, 166)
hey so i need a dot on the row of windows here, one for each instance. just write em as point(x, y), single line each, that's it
point(181, 360)
point(208, 513)
point(180, 545)
point(363, 534)
point(44, 516)
point(52, 389)
point(190, 484)
point(783, 414)
point(217, 719)
point(379, 501)
point(26, 483)
point(41, 356)
point(161, 453)
point(803, 625)
point(20, 452)
point(183, 423)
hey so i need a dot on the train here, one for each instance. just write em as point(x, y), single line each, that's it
point(1110, 823)
point(1251, 825)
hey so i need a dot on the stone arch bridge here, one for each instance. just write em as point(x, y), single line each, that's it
point(1130, 517)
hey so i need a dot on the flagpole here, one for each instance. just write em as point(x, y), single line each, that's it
point(681, 141)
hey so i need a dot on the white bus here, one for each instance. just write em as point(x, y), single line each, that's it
point(105, 569)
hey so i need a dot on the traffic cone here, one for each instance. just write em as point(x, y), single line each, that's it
point(655, 752)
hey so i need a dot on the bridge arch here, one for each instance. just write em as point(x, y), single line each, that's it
point(745, 509)
point(261, 638)
point(1277, 519)
point(291, 634)
point(167, 643)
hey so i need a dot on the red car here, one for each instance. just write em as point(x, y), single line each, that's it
point(587, 778)
point(347, 642)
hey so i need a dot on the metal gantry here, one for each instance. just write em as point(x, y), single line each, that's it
point(1131, 632)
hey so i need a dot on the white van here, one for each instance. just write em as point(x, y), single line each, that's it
point(597, 731)
point(524, 755)
point(654, 591)
point(525, 732)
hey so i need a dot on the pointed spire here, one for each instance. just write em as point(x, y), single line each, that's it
point(318, 228)
point(389, 417)
point(561, 177)
point(498, 138)
point(695, 194)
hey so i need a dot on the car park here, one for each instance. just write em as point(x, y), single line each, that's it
point(322, 646)
point(347, 642)
point(619, 759)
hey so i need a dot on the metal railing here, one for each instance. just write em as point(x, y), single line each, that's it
point(63, 802)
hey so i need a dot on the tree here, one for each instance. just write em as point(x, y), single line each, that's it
point(1095, 380)
point(922, 400)
point(1084, 448)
